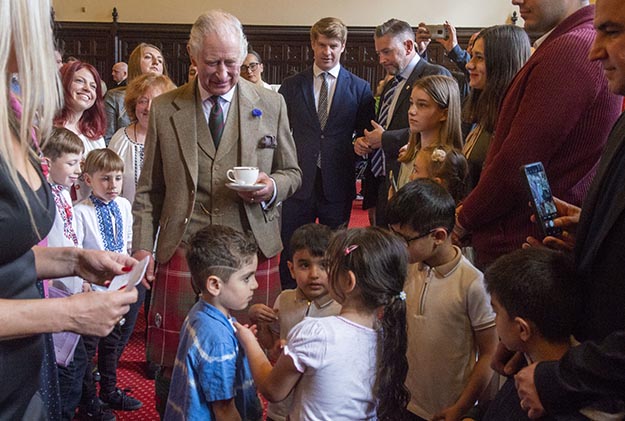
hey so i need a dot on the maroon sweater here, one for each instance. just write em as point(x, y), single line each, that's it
point(557, 110)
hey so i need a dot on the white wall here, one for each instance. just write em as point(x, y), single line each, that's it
point(467, 13)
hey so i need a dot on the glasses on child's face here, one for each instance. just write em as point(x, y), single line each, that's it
point(408, 240)
point(251, 67)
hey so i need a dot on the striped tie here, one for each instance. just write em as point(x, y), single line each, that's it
point(378, 161)
point(216, 120)
point(322, 108)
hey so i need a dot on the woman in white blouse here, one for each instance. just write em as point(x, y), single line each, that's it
point(129, 142)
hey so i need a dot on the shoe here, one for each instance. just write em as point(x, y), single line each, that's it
point(94, 411)
point(118, 399)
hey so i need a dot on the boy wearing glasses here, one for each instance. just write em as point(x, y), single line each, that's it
point(451, 325)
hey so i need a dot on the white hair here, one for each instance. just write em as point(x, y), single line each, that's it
point(216, 22)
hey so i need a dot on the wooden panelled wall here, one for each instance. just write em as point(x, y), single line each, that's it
point(284, 49)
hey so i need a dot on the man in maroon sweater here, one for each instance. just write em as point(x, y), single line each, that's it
point(558, 110)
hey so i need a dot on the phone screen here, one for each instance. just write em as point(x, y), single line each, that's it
point(542, 199)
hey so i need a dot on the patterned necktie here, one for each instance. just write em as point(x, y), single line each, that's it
point(378, 160)
point(216, 120)
point(322, 108)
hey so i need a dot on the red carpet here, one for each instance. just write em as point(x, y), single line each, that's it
point(130, 373)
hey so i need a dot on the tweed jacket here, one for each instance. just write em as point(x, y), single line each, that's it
point(177, 135)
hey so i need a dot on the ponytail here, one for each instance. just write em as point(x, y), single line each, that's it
point(379, 261)
point(390, 390)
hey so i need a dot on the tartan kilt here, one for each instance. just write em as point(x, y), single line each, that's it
point(173, 297)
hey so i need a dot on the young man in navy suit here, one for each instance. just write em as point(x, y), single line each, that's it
point(328, 106)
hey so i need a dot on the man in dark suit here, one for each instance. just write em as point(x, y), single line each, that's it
point(395, 45)
point(327, 107)
point(196, 133)
point(595, 369)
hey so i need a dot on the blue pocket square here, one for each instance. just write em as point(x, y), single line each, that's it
point(268, 142)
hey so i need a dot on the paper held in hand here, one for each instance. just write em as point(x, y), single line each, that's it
point(133, 277)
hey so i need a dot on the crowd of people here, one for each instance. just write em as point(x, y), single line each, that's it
point(262, 289)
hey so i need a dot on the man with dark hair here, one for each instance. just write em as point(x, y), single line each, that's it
point(596, 368)
point(558, 110)
point(395, 45)
point(327, 106)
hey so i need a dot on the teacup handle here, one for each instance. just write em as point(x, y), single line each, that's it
point(230, 175)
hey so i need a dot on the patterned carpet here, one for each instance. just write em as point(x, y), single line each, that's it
point(131, 370)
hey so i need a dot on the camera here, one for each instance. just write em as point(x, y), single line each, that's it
point(438, 31)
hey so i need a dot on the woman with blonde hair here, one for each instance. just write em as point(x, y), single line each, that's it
point(145, 58)
point(28, 210)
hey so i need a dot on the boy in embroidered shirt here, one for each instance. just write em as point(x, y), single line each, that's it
point(104, 222)
point(211, 379)
point(538, 298)
point(451, 325)
point(63, 152)
point(310, 299)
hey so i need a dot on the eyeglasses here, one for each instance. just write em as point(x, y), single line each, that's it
point(252, 67)
point(408, 240)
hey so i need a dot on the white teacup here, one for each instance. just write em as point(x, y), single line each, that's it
point(243, 175)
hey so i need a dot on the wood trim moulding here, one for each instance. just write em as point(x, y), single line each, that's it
point(284, 49)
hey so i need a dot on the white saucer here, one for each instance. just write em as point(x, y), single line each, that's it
point(244, 187)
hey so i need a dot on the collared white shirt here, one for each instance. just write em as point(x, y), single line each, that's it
point(405, 74)
point(331, 77)
point(224, 101)
point(542, 39)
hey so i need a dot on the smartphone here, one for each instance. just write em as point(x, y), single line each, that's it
point(541, 197)
point(438, 31)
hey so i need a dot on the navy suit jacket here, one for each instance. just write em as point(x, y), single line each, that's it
point(351, 112)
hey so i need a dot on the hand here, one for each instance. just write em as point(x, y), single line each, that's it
point(361, 147)
point(262, 313)
point(263, 195)
point(149, 273)
point(97, 313)
point(245, 334)
point(528, 395)
point(97, 266)
point(448, 414)
point(506, 362)
point(374, 137)
point(452, 40)
point(402, 151)
point(423, 38)
point(568, 221)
